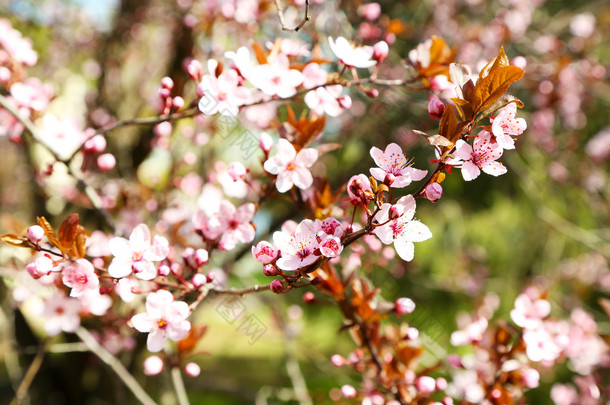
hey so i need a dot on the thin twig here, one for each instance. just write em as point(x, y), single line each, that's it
point(115, 365)
point(255, 289)
point(22, 391)
point(178, 383)
point(280, 13)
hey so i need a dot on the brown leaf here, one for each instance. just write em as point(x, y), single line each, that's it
point(439, 140)
point(499, 61)
point(261, 56)
point(15, 240)
point(490, 88)
point(464, 108)
point(186, 345)
point(67, 231)
point(48, 231)
point(448, 123)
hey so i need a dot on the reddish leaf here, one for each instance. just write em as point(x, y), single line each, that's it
point(490, 88)
point(67, 231)
point(261, 56)
point(48, 231)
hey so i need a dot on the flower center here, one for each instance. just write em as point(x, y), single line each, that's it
point(161, 323)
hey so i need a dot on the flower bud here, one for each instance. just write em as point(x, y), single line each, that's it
point(396, 211)
point(404, 306)
point(201, 257)
point(425, 384)
point(164, 270)
point(380, 51)
point(237, 171)
point(331, 246)
point(195, 70)
point(372, 93)
point(178, 102)
point(35, 233)
point(40, 267)
point(199, 280)
point(435, 108)
point(270, 270)
point(163, 129)
point(348, 391)
point(337, 360)
point(433, 192)
point(277, 286)
point(97, 144)
point(389, 179)
point(106, 162)
point(309, 297)
point(265, 142)
point(441, 384)
point(167, 83)
point(412, 333)
point(192, 369)
point(370, 11)
point(153, 365)
point(345, 102)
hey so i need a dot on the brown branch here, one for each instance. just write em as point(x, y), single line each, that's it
point(280, 13)
point(22, 391)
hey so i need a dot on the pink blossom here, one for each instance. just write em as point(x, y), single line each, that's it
point(80, 276)
point(380, 51)
point(106, 162)
point(290, 166)
point(231, 224)
point(313, 75)
point(35, 233)
point(276, 78)
point(61, 136)
point(473, 332)
point(331, 246)
point(506, 124)
point(17, 47)
point(370, 11)
point(350, 55)
point(404, 306)
point(192, 369)
point(433, 192)
point(403, 231)
point(32, 94)
point(541, 344)
point(137, 254)
point(61, 314)
point(264, 252)
point(393, 161)
point(164, 319)
point(528, 312)
point(481, 156)
point(327, 100)
point(425, 384)
point(297, 249)
point(564, 394)
point(94, 303)
point(223, 94)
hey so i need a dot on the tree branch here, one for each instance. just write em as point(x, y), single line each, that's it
point(280, 13)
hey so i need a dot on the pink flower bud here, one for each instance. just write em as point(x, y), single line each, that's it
point(389, 179)
point(370, 11)
point(153, 365)
point(396, 211)
point(195, 70)
point(441, 384)
point(97, 144)
point(167, 83)
point(237, 171)
point(404, 306)
point(270, 270)
point(40, 267)
point(337, 360)
point(435, 108)
point(264, 252)
point(531, 377)
point(277, 286)
point(199, 280)
point(447, 401)
point(433, 192)
point(345, 102)
point(348, 391)
point(200, 90)
point(201, 257)
point(210, 277)
point(35, 233)
point(412, 333)
point(265, 142)
point(164, 93)
point(309, 297)
point(380, 51)
point(372, 93)
point(425, 384)
point(178, 102)
point(192, 369)
point(454, 361)
point(164, 270)
point(106, 162)
point(163, 129)
point(439, 83)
